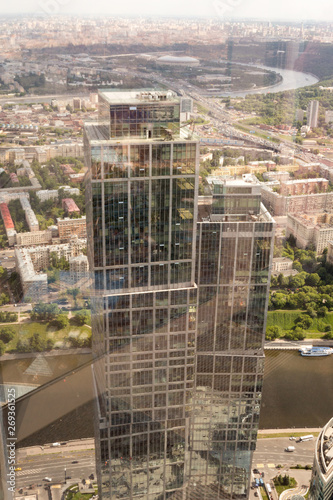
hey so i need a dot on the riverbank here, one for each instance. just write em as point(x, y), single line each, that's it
point(295, 345)
point(291, 80)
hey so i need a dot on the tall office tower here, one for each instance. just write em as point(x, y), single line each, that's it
point(321, 486)
point(181, 290)
point(312, 114)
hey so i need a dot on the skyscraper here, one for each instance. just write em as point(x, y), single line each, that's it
point(321, 486)
point(181, 291)
point(312, 114)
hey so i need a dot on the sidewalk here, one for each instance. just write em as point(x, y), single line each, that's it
point(291, 431)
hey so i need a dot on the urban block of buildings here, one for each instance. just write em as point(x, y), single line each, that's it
point(32, 261)
point(284, 204)
point(311, 230)
point(179, 301)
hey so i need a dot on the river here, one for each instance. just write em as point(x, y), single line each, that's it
point(290, 80)
point(297, 391)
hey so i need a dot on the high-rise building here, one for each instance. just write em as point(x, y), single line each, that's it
point(181, 291)
point(321, 486)
point(312, 114)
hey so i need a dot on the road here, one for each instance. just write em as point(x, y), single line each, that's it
point(52, 462)
point(270, 453)
point(39, 462)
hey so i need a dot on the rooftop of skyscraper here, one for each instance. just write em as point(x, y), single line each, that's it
point(138, 96)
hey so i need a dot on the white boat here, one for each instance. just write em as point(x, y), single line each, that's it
point(311, 351)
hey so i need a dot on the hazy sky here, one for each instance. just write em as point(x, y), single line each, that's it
point(294, 10)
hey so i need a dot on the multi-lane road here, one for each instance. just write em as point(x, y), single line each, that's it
point(79, 464)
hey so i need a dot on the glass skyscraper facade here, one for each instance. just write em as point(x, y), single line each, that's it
point(179, 301)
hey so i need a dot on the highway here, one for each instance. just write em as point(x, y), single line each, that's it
point(35, 468)
point(272, 451)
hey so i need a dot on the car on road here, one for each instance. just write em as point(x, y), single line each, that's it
point(256, 471)
point(18, 468)
point(75, 462)
point(48, 479)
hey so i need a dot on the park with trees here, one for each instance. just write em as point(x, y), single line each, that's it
point(301, 306)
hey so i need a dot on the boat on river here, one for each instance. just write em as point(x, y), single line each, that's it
point(311, 351)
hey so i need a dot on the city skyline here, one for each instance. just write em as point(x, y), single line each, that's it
point(216, 9)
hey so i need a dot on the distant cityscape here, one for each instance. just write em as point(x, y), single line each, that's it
point(166, 217)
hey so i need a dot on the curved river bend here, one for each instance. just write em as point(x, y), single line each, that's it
point(291, 80)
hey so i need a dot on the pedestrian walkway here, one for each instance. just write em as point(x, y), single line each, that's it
point(27, 472)
point(299, 490)
point(291, 431)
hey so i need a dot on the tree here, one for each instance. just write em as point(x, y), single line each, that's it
point(273, 332)
point(22, 346)
point(7, 334)
point(37, 343)
point(312, 279)
point(61, 321)
point(322, 311)
point(2, 348)
point(45, 311)
point(81, 318)
point(303, 321)
point(297, 281)
point(279, 300)
point(74, 292)
point(49, 344)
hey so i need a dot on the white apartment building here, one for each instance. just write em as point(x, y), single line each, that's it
point(78, 268)
point(311, 230)
point(30, 261)
point(34, 284)
point(34, 238)
point(47, 194)
point(281, 264)
point(29, 214)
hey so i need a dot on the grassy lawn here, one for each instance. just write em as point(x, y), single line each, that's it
point(285, 320)
point(263, 135)
point(46, 331)
point(263, 493)
point(281, 487)
point(73, 493)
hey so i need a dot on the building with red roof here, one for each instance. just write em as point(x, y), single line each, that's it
point(70, 206)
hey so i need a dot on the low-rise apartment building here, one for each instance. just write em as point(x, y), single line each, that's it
point(280, 205)
point(69, 227)
point(34, 238)
point(31, 262)
point(34, 284)
point(70, 206)
point(316, 230)
point(303, 186)
point(281, 265)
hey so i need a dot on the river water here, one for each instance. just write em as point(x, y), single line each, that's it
point(297, 392)
point(290, 80)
